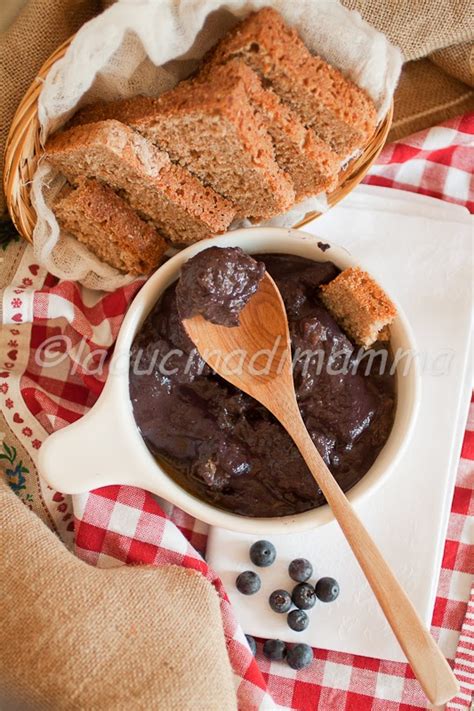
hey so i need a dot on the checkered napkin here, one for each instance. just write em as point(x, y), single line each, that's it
point(120, 525)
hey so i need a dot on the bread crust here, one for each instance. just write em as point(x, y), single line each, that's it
point(211, 129)
point(359, 305)
point(109, 227)
point(177, 203)
point(338, 110)
point(310, 163)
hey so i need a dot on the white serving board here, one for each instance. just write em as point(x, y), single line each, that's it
point(421, 250)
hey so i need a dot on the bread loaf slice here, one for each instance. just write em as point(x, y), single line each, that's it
point(109, 227)
point(178, 204)
point(127, 111)
point(339, 111)
point(312, 166)
point(212, 129)
point(359, 305)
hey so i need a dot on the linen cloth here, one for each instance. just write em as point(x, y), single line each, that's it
point(122, 525)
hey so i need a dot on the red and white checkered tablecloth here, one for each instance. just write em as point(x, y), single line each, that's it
point(122, 525)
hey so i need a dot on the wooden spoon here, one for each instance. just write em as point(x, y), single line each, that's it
point(256, 357)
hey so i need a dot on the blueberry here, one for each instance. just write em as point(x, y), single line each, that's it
point(300, 570)
point(248, 583)
point(300, 656)
point(262, 553)
point(298, 620)
point(274, 649)
point(327, 589)
point(252, 644)
point(303, 596)
point(280, 601)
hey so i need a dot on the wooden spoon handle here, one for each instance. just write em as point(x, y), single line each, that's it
point(429, 665)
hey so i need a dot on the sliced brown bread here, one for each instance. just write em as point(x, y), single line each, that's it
point(128, 111)
point(212, 129)
point(309, 161)
point(178, 204)
point(311, 164)
point(103, 221)
point(339, 111)
point(359, 305)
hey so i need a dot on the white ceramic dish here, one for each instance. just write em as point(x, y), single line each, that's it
point(105, 447)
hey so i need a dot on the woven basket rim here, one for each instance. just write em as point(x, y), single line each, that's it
point(23, 148)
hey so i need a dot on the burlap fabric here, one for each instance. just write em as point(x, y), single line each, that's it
point(434, 89)
point(26, 42)
point(457, 60)
point(426, 96)
point(437, 87)
point(77, 637)
point(419, 27)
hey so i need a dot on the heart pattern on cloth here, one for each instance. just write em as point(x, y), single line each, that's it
point(12, 355)
point(34, 269)
point(17, 317)
point(57, 496)
point(16, 418)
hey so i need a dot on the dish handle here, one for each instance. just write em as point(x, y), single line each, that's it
point(97, 450)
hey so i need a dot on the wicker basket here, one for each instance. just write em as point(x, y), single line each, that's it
point(23, 148)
